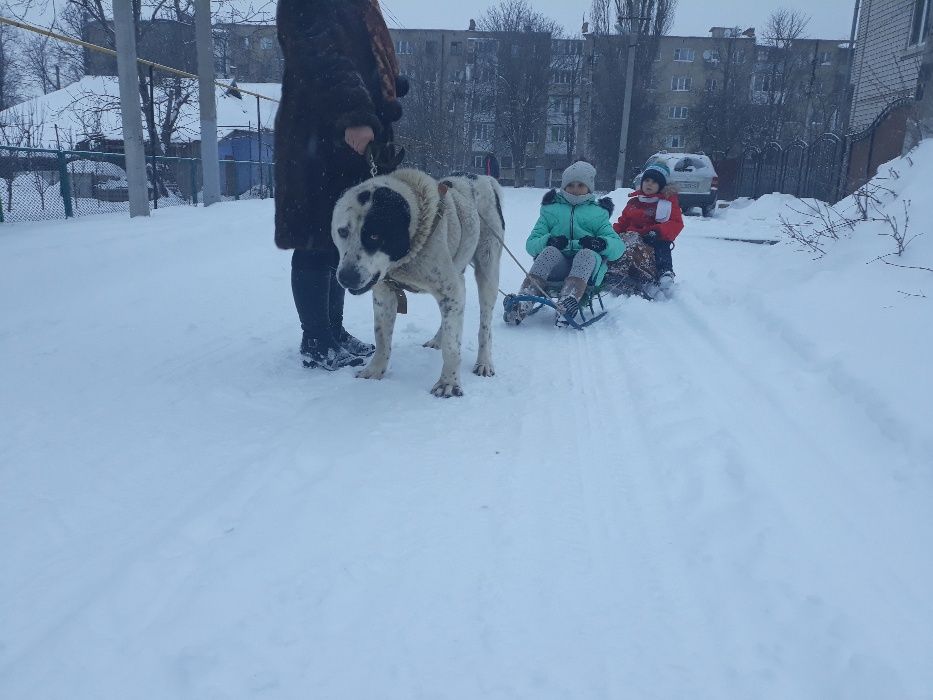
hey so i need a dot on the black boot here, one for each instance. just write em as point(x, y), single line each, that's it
point(311, 289)
point(352, 345)
point(663, 257)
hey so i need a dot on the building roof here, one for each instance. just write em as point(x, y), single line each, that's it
point(89, 108)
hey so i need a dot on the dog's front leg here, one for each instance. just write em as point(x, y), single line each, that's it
point(451, 303)
point(385, 308)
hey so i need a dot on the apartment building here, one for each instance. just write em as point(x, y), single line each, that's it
point(806, 85)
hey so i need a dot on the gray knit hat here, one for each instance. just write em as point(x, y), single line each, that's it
point(581, 171)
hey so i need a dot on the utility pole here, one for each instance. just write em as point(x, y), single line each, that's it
point(210, 154)
point(125, 35)
point(634, 37)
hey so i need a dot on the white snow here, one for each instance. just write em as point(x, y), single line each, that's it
point(722, 496)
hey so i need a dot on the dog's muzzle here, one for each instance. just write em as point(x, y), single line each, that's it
point(351, 280)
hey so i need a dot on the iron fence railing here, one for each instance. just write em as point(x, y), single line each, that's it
point(831, 167)
point(38, 184)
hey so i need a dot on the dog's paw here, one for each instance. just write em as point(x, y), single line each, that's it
point(446, 390)
point(433, 344)
point(484, 369)
point(371, 372)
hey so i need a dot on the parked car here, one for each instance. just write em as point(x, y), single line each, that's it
point(694, 176)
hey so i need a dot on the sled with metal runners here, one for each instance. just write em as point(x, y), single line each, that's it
point(586, 314)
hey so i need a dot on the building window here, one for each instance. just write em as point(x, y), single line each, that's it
point(738, 56)
point(456, 48)
point(265, 43)
point(430, 48)
point(685, 55)
point(826, 58)
point(762, 55)
point(675, 141)
point(712, 84)
point(557, 134)
point(681, 83)
point(404, 47)
point(921, 22)
point(761, 83)
point(482, 132)
point(563, 77)
point(479, 161)
point(712, 56)
point(679, 112)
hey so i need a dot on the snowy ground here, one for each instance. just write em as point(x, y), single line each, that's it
point(723, 496)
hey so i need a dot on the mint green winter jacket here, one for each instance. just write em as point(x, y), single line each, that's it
point(559, 218)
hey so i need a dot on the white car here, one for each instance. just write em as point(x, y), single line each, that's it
point(694, 176)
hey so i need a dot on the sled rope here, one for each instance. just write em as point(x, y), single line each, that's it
point(517, 262)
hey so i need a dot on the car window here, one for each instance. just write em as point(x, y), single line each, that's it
point(682, 165)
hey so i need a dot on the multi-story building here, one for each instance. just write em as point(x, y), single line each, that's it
point(463, 108)
point(248, 52)
point(800, 92)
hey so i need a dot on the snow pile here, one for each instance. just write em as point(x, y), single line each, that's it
point(723, 496)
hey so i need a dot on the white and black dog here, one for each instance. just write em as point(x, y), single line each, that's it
point(407, 231)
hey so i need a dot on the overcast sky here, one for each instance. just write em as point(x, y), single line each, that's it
point(832, 19)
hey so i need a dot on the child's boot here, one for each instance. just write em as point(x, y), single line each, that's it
point(517, 311)
point(568, 303)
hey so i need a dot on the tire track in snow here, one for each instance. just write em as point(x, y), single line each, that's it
point(773, 440)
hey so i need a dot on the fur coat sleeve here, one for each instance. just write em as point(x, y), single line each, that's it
point(319, 66)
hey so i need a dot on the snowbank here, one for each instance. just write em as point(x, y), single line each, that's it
point(723, 496)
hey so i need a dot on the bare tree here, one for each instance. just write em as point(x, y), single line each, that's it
point(724, 120)
point(569, 69)
point(784, 68)
point(11, 83)
point(523, 77)
point(602, 19)
point(432, 128)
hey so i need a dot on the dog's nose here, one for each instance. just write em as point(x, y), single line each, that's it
point(349, 278)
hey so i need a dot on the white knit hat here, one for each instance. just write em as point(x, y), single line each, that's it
point(581, 171)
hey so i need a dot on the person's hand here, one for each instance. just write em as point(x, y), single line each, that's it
point(593, 243)
point(359, 137)
point(559, 242)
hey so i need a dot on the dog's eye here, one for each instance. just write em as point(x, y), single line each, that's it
point(343, 232)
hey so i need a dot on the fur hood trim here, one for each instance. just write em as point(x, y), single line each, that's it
point(420, 190)
point(550, 197)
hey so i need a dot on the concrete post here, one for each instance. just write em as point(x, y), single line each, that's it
point(131, 112)
point(210, 155)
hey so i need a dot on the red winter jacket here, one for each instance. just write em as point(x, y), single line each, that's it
point(659, 213)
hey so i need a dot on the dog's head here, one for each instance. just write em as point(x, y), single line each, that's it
point(372, 230)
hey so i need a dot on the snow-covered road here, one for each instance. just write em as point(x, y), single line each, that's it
point(716, 497)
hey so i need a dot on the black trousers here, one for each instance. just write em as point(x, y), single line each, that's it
point(319, 298)
point(663, 256)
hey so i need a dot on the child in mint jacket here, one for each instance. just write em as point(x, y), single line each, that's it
point(573, 242)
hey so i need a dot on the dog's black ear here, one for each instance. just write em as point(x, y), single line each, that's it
point(386, 225)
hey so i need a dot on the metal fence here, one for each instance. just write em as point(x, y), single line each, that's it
point(800, 169)
point(829, 168)
point(39, 184)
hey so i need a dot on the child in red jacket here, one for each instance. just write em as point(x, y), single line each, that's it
point(653, 212)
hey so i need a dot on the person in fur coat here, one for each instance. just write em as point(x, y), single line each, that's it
point(340, 93)
point(653, 212)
